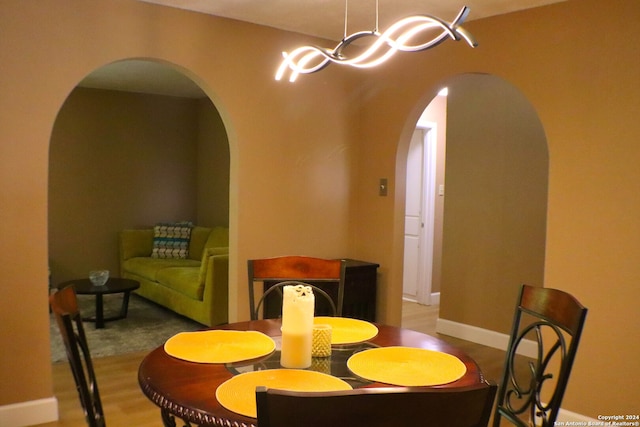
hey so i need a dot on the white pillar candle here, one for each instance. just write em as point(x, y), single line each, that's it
point(297, 326)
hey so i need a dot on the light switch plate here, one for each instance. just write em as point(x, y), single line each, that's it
point(383, 187)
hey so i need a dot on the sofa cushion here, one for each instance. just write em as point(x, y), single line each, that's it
point(206, 254)
point(199, 236)
point(135, 243)
point(182, 279)
point(171, 240)
point(219, 237)
point(149, 267)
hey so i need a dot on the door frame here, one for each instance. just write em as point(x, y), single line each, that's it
point(427, 175)
point(429, 152)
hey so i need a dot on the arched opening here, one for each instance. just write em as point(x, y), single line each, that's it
point(494, 199)
point(137, 142)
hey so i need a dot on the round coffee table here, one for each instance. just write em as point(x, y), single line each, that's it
point(113, 286)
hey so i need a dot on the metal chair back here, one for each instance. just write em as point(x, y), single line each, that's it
point(552, 320)
point(281, 271)
point(64, 306)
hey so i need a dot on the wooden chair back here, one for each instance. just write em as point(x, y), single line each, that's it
point(286, 269)
point(64, 306)
point(553, 321)
point(377, 407)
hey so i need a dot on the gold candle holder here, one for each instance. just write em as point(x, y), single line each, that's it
point(321, 341)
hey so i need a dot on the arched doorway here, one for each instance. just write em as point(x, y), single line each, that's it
point(135, 143)
point(495, 196)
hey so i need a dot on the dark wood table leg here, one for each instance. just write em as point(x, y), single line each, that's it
point(99, 312)
point(99, 317)
point(169, 420)
point(125, 305)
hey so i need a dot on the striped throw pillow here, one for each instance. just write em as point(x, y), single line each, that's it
point(171, 240)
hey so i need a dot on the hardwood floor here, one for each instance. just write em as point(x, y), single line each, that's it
point(125, 405)
point(423, 319)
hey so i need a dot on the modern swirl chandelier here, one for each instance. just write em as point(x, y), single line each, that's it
point(398, 37)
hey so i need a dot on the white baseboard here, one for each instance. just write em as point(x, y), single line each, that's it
point(29, 413)
point(568, 418)
point(483, 336)
point(435, 298)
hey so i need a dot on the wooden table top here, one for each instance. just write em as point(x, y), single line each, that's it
point(187, 390)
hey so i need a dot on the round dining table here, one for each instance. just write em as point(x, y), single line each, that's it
point(186, 390)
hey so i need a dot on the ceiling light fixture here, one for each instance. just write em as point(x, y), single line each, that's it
point(398, 37)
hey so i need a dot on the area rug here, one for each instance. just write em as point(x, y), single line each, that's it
point(146, 327)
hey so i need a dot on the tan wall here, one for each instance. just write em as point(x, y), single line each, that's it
point(584, 88)
point(213, 167)
point(306, 159)
point(289, 145)
point(123, 160)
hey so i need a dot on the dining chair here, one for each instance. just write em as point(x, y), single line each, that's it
point(64, 305)
point(552, 321)
point(279, 271)
point(377, 407)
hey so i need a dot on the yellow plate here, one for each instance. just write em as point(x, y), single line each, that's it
point(406, 366)
point(348, 331)
point(219, 346)
point(238, 394)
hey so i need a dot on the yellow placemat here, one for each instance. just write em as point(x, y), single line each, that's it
point(348, 331)
point(219, 346)
point(238, 394)
point(406, 366)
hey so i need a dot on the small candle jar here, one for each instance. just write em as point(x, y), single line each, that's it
point(321, 341)
point(297, 326)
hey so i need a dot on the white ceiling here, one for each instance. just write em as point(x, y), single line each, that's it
point(325, 18)
point(322, 18)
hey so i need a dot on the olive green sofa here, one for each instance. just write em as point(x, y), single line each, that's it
point(195, 287)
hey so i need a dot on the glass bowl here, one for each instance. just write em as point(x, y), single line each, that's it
point(99, 277)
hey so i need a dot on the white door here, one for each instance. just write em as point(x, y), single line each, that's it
point(419, 213)
point(413, 217)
